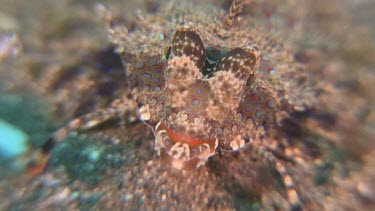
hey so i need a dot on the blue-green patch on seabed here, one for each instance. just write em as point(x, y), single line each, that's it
point(24, 115)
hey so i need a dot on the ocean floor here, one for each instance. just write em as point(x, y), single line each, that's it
point(59, 62)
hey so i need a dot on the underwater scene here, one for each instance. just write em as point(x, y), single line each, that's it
point(187, 105)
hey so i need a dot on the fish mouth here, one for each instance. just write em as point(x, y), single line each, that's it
point(181, 151)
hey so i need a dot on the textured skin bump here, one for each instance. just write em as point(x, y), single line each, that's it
point(239, 61)
point(231, 73)
point(187, 42)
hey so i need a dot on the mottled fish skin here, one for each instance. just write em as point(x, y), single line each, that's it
point(147, 82)
point(258, 106)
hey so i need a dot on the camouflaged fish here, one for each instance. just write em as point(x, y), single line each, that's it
point(200, 98)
